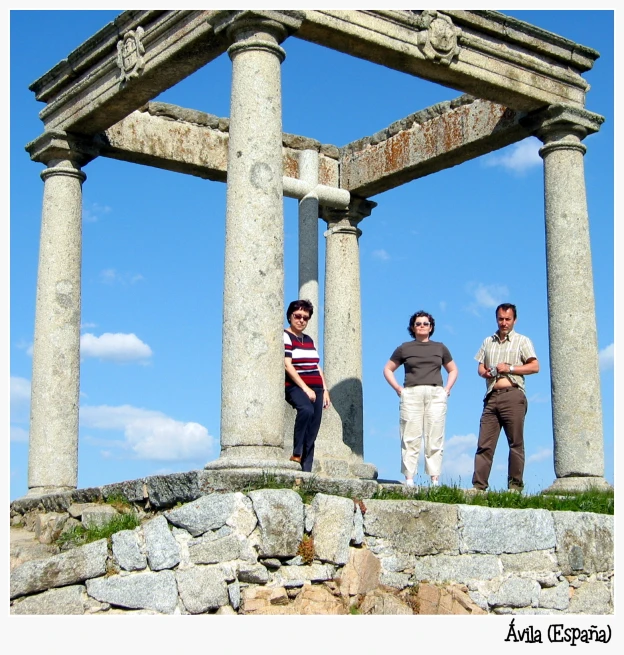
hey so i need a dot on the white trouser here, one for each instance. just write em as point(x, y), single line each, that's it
point(422, 414)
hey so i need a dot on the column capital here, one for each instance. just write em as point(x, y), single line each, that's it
point(253, 29)
point(55, 146)
point(347, 219)
point(556, 122)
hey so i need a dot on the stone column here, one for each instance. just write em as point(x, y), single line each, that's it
point(342, 341)
point(53, 439)
point(252, 373)
point(575, 376)
point(308, 239)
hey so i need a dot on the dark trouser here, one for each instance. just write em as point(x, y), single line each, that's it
point(503, 408)
point(307, 423)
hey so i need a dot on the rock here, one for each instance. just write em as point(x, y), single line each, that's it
point(71, 567)
point(411, 526)
point(152, 591)
point(496, 531)
point(161, 546)
point(451, 600)
point(333, 527)
point(213, 512)
point(317, 599)
point(280, 516)
point(202, 588)
point(384, 601)
point(127, 550)
point(66, 600)
point(361, 574)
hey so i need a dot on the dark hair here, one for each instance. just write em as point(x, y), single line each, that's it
point(505, 307)
point(410, 327)
point(306, 305)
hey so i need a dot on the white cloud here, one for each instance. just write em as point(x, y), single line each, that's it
point(114, 347)
point(20, 408)
point(606, 357)
point(518, 157)
point(18, 434)
point(149, 434)
point(486, 296)
point(459, 454)
point(381, 255)
point(92, 214)
point(540, 455)
point(87, 326)
point(20, 390)
point(111, 276)
point(443, 305)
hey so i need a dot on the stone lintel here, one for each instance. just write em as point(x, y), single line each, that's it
point(145, 52)
point(169, 140)
point(578, 57)
point(474, 53)
point(90, 90)
point(427, 142)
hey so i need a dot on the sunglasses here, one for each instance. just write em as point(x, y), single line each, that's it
point(301, 317)
point(418, 324)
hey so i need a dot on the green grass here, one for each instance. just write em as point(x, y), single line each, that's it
point(118, 501)
point(597, 501)
point(79, 535)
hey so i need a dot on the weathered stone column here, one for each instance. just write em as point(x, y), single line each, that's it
point(308, 239)
point(53, 439)
point(252, 393)
point(575, 376)
point(343, 340)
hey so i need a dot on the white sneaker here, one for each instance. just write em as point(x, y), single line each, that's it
point(409, 483)
point(435, 483)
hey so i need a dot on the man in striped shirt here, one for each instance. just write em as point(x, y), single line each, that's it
point(504, 359)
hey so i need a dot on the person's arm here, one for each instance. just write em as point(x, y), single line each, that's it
point(388, 372)
point(484, 372)
point(296, 378)
point(529, 367)
point(326, 399)
point(451, 369)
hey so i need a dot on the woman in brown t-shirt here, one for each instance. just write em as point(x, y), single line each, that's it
point(423, 396)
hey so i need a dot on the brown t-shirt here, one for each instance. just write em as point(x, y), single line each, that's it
point(422, 360)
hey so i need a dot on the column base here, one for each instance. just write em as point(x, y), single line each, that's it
point(344, 468)
point(35, 492)
point(260, 458)
point(577, 484)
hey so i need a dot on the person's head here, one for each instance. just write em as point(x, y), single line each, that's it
point(425, 327)
point(506, 316)
point(299, 312)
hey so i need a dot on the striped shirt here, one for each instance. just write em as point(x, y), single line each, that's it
point(304, 357)
point(514, 349)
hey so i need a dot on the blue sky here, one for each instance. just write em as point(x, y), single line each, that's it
point(153, 248)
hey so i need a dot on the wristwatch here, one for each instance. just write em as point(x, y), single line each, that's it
point(510, 368)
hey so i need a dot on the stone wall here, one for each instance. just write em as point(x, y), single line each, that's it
point(266, 552)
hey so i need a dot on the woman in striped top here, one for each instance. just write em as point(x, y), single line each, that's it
point(306, 390)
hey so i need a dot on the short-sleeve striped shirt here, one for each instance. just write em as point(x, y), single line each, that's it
point(515, 349)
point(305, 359)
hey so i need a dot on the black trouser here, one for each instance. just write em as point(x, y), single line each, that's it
point(503, 408)
point(307, 423)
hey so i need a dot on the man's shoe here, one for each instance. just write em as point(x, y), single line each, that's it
point(295, 458)
point(475, 491)
point(515, 488)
